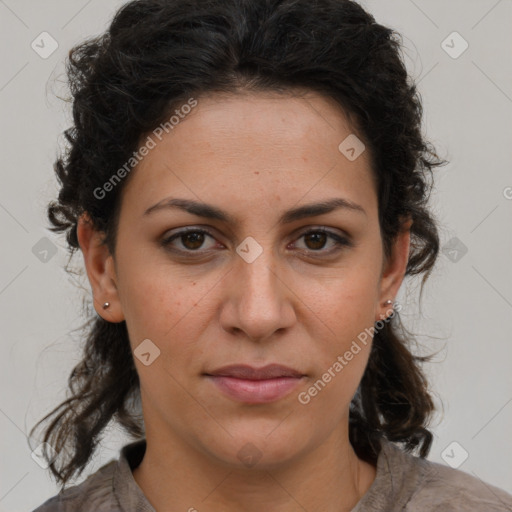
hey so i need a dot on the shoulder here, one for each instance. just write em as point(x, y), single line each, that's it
point(94, 494)
point(449, 489)
point(430, 486)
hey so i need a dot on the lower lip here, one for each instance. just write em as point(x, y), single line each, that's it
point(255, 391)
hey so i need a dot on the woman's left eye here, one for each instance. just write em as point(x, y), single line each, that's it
point(192, 240)
point(316, 239)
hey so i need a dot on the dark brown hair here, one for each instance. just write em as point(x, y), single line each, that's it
point(154, 56)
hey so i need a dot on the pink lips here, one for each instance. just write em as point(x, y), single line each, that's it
point(255, 385)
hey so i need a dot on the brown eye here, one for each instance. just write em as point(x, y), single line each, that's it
point(193, 240)
point(317, 239)
point(190, 240)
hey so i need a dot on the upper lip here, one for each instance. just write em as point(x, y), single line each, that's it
point(243, 371)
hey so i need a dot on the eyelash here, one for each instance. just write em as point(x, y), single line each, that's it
point(340, 241)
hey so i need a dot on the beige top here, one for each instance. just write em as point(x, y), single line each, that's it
point(403, 483)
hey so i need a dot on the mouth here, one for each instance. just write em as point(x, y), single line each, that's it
point(246, 384)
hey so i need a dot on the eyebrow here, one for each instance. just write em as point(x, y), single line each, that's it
point(212, 212)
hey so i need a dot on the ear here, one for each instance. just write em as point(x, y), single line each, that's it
point(393, 269)
point(99, 264)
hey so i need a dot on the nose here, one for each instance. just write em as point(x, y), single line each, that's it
point(259, 300)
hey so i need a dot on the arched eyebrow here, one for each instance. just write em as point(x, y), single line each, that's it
point(212, 212)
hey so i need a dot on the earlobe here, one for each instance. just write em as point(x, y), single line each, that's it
point(99, 265)
point(394, 268)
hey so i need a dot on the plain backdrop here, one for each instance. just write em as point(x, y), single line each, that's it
point(467, 304)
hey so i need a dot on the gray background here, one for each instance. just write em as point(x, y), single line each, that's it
point(466, 310)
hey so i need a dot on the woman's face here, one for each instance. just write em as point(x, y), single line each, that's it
point(253, 287)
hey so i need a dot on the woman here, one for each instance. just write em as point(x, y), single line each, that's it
point(248, 185)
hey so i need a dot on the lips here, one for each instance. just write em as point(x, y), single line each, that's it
point(250, 385)
point(246, 372)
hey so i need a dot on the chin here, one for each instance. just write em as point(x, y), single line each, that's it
point(256, 449)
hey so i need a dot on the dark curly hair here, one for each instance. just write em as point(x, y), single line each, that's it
point(155, 55)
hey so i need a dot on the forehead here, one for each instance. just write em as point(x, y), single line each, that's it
point(252, 145)
point(265, 119)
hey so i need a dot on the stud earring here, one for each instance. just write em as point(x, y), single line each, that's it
point(106, 305)
point(388, 302)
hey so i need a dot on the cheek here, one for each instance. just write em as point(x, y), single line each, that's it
point(342, 349)
point(344, 313)
point(333, 389)
point(153, 301)
point(169, 309)
point(346, 305)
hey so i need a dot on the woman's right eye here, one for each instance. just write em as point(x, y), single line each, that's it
point(191, 240)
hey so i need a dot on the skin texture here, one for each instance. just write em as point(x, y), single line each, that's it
point(300, 303)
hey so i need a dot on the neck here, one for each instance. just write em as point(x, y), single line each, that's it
point(329, 477)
